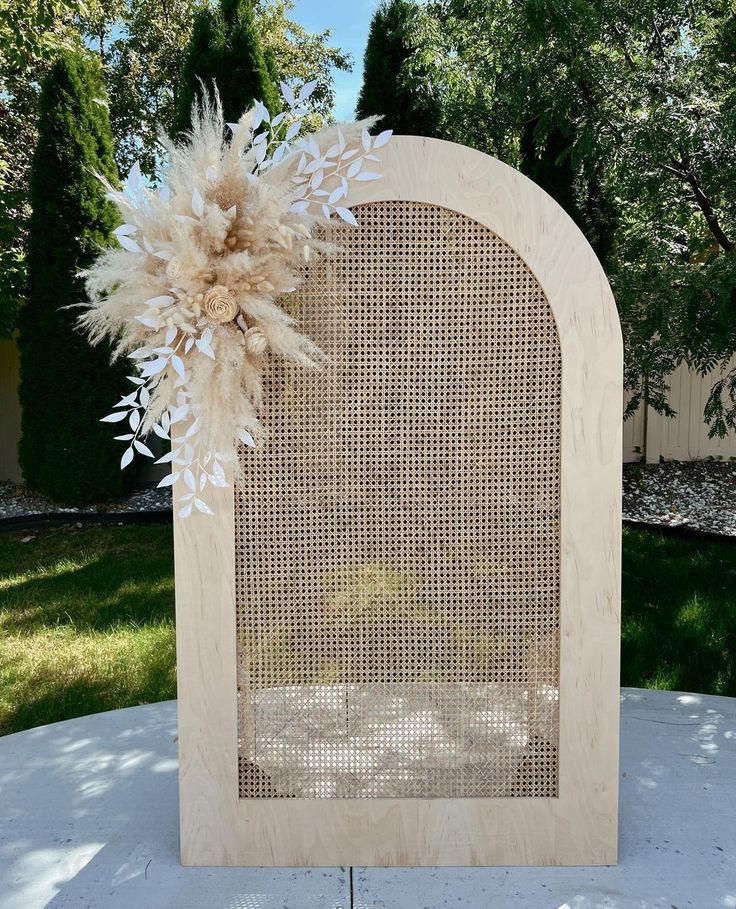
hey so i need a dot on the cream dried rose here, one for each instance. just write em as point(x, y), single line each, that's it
point(174, 270)
point(219, 304)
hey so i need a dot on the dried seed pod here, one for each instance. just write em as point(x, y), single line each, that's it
point(255, 342)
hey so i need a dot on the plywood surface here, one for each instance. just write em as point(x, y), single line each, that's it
point(578, 826)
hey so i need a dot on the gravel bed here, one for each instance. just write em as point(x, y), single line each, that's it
point(699, 495)
point(17, 501)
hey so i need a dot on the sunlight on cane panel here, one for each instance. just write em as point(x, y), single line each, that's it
point(397, 536)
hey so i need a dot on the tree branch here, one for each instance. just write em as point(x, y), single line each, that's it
point(681, 170)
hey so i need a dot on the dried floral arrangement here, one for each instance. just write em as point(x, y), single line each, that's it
point(192, 293)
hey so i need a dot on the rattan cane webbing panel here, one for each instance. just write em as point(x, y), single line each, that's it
point(397, 537)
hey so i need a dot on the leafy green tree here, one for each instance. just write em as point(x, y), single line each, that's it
point(31, 35)
point(225, 50)
point(645, 101)
point(393, 83)
point(65, 452)
point(298, 56)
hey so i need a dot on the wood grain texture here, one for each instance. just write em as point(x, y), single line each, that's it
point(578, 827)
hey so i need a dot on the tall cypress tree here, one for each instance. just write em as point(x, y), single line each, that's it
point(225, 50)
point(66, 385)
point(389, 89)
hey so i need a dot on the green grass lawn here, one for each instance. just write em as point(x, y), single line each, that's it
point(87, 619)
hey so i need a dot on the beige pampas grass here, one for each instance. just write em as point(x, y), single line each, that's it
point(192, 294)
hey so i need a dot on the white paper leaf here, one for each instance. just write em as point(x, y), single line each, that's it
point(366, 140)
point(170, 335)
point(260, 114)
point(287, 93)
point(169, 479)
point(168, 457)
point(178, 365)
point(217, 477)
point(346, 215)
point(336, 195)
point(130, 400)
point(300, 206)
point(136, 380)
point(382, 138)
point(148, 321)
point(185, 511)
point(160, 431)
point(367, 175)
point(125, 438)
point(189, 479)
point(326, 212)
point(129, 244)
point(143, 449)
point(292, 130)
point(203, 507)
point(193, 429)
point(261, 153)
point(306, 90)
point(177, 414)
point(188, 344)
point(114, 417)
point(197, 203)
point(125, 230)
point(126, 458)
point(246, 438)
point(163, 300)
point(135, 420)
point(145, 397)
point(153, 367)
point(354, 168)
point(134, 177)
point(164, 254)
point(203, 346)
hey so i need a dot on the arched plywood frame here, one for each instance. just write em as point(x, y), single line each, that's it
point(578, 825)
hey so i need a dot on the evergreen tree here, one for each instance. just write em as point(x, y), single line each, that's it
point(66, 385)
point(225, 50)
point(577, 187)
point(392, 85)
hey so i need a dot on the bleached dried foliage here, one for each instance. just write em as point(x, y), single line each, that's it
point(191, 295)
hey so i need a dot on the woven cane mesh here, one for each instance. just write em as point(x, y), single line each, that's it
point(397, 536)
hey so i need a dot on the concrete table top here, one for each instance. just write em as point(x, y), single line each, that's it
point(89, 818)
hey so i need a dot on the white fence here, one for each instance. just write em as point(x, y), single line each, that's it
point(684, 437)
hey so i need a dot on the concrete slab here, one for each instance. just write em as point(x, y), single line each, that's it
point(677, 840)
point(88, 818)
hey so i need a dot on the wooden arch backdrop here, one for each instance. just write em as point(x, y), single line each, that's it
point(397, 641)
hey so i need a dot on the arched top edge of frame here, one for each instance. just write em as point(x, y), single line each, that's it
point(455, 177)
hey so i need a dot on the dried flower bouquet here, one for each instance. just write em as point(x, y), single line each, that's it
point(191, 295)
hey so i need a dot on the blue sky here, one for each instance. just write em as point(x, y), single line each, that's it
point(349, 21)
